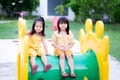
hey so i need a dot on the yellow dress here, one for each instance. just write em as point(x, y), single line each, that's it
point(62, 40)
point(35, 45)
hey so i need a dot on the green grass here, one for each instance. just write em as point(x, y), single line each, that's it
point(10, 31)
point(113, 31)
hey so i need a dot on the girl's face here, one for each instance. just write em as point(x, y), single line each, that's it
point(38, 27)
point(63, 25)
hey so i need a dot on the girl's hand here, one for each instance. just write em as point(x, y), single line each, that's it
point(67, 48)
point(61, 48)
point(36, 47)
point(48, 54)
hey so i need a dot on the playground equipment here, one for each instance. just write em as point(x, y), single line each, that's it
point(21, 28)
point(94, 42)
point(90, 64)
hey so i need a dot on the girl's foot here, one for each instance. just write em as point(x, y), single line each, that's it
point(72, 75)
point(34, 68)
point(64, 74)
point(47, 67)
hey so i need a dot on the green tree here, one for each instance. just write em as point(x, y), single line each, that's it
point(94, 9)
point(5, 5)
point(116, 14)
point(12, 6)
point(75, 6)
point(60, 9)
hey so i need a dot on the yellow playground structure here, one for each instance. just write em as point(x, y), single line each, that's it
point(91, 63)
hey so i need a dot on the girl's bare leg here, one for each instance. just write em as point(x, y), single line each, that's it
point(44, 60)
point(32, 61)
point(70, 62)
point(33, 64)
point(61, 61)
point(46, 65)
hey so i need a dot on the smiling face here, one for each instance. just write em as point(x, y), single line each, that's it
point(63, 26)
point(38, 27)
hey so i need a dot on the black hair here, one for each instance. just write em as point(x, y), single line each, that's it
point(63, 20)
point(33, 26)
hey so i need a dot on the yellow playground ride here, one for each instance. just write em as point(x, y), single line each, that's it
point(90, 64)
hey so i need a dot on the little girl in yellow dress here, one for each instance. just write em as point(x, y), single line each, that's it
point(37, 45)
point(62, 41)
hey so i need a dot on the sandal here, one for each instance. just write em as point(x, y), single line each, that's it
point(64, 74)
point(34, 68)
point(72, 75)
point(47, 67)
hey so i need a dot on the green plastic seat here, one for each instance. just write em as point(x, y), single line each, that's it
point(84, 64)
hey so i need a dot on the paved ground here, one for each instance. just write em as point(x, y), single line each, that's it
point(4, 21)
point(8, 52)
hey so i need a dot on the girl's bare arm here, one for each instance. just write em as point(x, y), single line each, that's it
point(69, 46)
point(45, 46)
point(58, 47)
